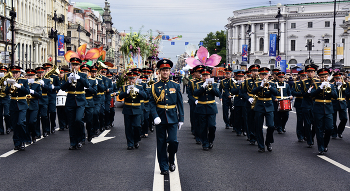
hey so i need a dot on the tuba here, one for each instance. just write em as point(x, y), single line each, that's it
point(2, 81)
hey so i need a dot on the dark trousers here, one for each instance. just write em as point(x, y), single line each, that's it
point(300, 124)
point(20, 132)
point(238, 122)
point(259, 120)
point(52, 114)
point(166, 134)
point(42, 117)
point(96, 117)
point(32, 116)
point(102, 116)
point(192, 108)
point(226, 104)
point(207, 124)
point(132, 129)
point(184, 88)
point(343, 119)
point(195, 128)
point(323, 126)
point(308, 121)
point(89, 122)
point(75, 116)
point(111, 115)
point(251, 124)
point(107, 114)
point(61, 114)
point(281, 120)
point(145, 124)
point(245, 122)
point(5, 112)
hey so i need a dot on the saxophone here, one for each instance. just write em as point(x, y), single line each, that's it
point(2, 81)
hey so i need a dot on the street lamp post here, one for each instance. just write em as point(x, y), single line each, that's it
point(13, 16)
point(319, 41)
point(278, 16)
point(249, 32)
point(54, 33)
point(79, 30)
point(309, 45)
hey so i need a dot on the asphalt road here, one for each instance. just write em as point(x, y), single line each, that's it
point(232, 164)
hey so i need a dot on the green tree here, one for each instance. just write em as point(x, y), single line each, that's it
point(210, 43)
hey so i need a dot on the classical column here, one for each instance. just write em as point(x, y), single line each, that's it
point(235, 39)
point(230, 40)
point(243, 32)
point(282, 37)
point(36, 53)
point(266, 38)
point(252, 37)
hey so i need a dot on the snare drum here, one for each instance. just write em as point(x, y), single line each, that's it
point(284, 105)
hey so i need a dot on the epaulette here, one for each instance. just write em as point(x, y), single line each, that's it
point(36, 82)
point(303, 80)
point(156, 82)
point(248, 78)
point(99, 78)
point(22, 78)
point(174, 81)
point(90, 78)
point(54, 75)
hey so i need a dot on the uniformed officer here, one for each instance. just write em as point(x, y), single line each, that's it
point(113, 93)
point(132, 110)
point(75, 103)
point(307, 103)
point(275, 103)
point(339, 106)
point(284, 92)
point(18, 88)
point(109, 91)
point(4, 103)
point(138, 71)
point(43, 103)
point(33, 103)
point(102, 115)
point(238, 103)
point(97, 98)
point(193, 100)
point(225, 87)
point(296, 91)
point(146, 112)
point(168, 114)
point(89, 107)
point(206, 108)
point(249, 114)
point(264, 108)
point(61, 113)
point(52, 94)
point(323, 92)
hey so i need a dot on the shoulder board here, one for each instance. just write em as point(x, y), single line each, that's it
point(156, 82)
point(54, 75)
point(248, 78)
point(99, 78)
point(22, 78)
point(304, 80)
point(36, 82)
point(92, 78)
point(174, 81)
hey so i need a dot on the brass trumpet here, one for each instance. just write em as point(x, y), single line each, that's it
point(210, 86)
point(28, 97)
point(74, 82)
point(328, 89)
point(133, 93)
point(266, 84)
point(2, 81)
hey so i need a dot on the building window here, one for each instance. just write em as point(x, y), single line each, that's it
point(261, 26)
point(326, 40)
point(292, 45)
point(327, 24)
point(261, 44)
point(309, 25)
point(309, 44)
point(343, 21)
point(275, 25)
point(293, 25)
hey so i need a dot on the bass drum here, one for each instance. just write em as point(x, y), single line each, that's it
point(61, 98)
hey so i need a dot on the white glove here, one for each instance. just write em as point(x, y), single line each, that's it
point(11, 81)
point(71, 74)
point(329, 78)
point(309, 91)
point(30, 81)
point(180, 125)
point(5, 83)
point(53, 87)
point(128, 91)
point(2, 75)
point(239, 81)
point(96, 82)
point(85, 88)
point(17, 85)
point(251, 100)
point(136, 90)
point(339, 86)
point(339, 83)
point(77, 77)
point(196, 102)
point(157, 121)
point(42, 82)
point(262, 84)
point(31, 91)
point(205, 84)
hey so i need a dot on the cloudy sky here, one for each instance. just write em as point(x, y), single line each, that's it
point(193, 19)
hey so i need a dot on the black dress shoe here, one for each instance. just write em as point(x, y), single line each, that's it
point(151, 129)
point(309, 146)
point(252, 143)
point(16, 148)
point(211, 145)
point(244, 134)
point(79, 145)
point(137, 145)
point(45, 134)
point(340, 135)
point(301, 140)
point(164, 172)
point(325, 149)
point(22, 147)
point(261, 150)
point(206, 148)
point(72, 148)
point(284, 130)
point(269, 147)
point(89, 139)
point(130, 148)
point(334, 137)
point(198, 142)
point(172, 167)
point(102, 129)
point(321, 153)
point(8, 131)
point(279, 132)
point(66, 127)
point(33, 139)
point(53, 131)
point(61, 129)
point(107, 127)
point(238, 135)
point(83, 142)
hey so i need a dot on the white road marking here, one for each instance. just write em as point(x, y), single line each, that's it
point(14, 151)
point(158, 179)
point(347, 127)
point(293, 111)
point(265, 127)
point(347, 169)
point(101, 137)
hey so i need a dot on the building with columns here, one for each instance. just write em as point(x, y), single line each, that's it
point(300, 25)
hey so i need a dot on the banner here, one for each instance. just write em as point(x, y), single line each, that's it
point(244, 52)
point(283, 65)
point(172, 43)
point(340, 51)
point(60, 47)
point(327, 51)
point(272, 44)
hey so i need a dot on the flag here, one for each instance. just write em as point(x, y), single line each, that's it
point(200, 43)
point(172, 43)
point(273, 40)
point(186, 43)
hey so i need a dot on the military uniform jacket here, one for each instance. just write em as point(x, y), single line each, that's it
point(108, 84)
point(323, 103)
point(297, 93)
point(61, 81)
point(18, 98)
point(340, 102)
point(34, 101)
point(265, 95)
point(145, 104)
point(166, 102)
point(248, 86)
point(307, 99)
point(100, 92)
point(132, 106)
point(225, 87)
point(286, 90)
point(191, 86)
point(206, 99)
point(89, 93)
point(45, 89)
point(237, 92)
point(54, 80)
point(347, 94)
point(76, 95)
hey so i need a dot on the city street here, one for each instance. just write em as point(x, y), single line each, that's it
point(232, 164)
